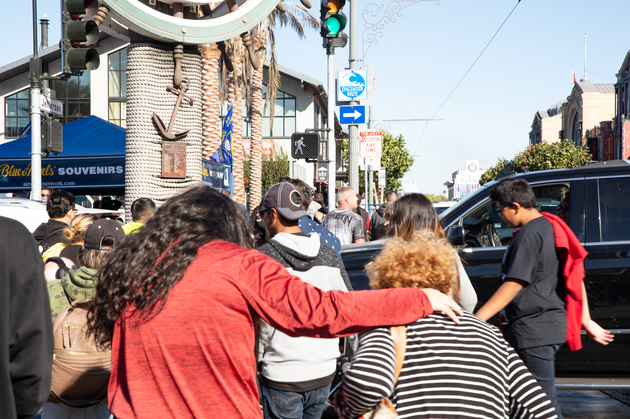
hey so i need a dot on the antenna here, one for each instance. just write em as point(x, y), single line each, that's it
point(584, 78)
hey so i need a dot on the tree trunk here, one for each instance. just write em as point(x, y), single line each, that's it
point(235, 98)
point(260, 45)
point(211, 118)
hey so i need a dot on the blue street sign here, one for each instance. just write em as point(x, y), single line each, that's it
point(352, 115)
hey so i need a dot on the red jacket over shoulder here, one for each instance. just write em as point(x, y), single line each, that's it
point(573, 273)
point(195, 358)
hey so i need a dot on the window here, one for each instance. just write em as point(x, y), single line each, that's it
point(576, 135)
point(284, 118)
point(481, 222)
point(614, 209)
point(117, 87)
point(16, 113)
point(75, 95)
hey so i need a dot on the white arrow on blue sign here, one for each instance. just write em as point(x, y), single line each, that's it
point(352, 115)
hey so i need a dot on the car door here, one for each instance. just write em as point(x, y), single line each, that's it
point(607, 268)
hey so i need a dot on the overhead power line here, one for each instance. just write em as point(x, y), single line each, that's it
point(468, 71)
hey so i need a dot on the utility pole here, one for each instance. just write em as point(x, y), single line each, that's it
point(332, 147)
point(36, 128)
point(333, 24)
point(353, 143)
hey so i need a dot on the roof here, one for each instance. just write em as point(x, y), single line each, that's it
point(87, 137)
point(587, 87)
point(22, 65)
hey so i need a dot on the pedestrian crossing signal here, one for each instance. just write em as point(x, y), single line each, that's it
point(305, 145)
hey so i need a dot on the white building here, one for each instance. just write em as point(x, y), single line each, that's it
point(301, 102)
point(465, 181)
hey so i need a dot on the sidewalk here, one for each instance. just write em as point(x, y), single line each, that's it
point(592, 404)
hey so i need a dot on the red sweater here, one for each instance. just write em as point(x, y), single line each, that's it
point(195, 358)
point(573, 274)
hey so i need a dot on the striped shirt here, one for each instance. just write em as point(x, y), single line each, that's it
point(464, 370)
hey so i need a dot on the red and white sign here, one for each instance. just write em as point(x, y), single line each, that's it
point(370, 143)
point(267, 144)
point(625, 150)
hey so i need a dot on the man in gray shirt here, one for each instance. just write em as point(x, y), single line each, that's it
point(296, 373)
point(342, 221)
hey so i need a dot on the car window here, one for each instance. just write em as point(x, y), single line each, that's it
point(614, 209)
point(476, 222)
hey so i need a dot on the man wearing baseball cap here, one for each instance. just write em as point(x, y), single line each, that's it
point(296, 365)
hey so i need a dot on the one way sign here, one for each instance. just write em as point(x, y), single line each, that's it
point(352, 115)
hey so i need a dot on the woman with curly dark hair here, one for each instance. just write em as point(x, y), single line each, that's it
point(414, 212)
point(178, 303)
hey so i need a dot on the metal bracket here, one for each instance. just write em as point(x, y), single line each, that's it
point(316, 161)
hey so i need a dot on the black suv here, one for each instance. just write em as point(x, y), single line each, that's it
point(599, 214)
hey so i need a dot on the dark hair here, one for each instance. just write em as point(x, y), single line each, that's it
point(59, 203)
point(142, 208)
point(391, 196)
point(141, 271)
point(359, 199)
point(414, 212)
point(509, 191)
point(305, 190)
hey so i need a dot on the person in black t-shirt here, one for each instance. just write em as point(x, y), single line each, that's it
point(533, 313)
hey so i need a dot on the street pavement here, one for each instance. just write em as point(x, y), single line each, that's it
point(593, 404)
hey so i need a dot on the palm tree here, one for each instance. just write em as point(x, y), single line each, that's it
point(259, 35)
point(298, 18)
point(211, 118)
point(234, 85)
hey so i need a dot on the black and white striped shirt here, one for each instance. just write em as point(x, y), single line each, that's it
point(464, 370)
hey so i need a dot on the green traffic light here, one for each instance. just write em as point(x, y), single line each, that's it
point(335, 24)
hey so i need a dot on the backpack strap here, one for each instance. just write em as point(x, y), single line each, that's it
point(42, 241)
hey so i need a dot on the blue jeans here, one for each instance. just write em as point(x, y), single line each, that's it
point(540, 361)
point(279, 404)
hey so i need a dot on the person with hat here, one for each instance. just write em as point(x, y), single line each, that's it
point(100, 239)
point(101, 236)
point(292, 366)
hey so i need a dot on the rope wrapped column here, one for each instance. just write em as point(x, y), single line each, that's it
point(150, 70)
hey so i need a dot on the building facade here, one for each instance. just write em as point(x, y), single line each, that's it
point(584, 118)
point(301, 101)
point(617, 140)
point(547, 125)
point(464, 181)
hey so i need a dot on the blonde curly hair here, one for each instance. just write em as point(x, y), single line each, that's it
point(423, 261)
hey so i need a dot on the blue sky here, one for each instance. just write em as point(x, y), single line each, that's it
point(424, 54)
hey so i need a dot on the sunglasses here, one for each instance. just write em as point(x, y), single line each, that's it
point(564, 207)
point(499, 209)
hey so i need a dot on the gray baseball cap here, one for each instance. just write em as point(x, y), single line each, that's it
point(286, 199)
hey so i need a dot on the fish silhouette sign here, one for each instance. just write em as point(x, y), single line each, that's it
point(305, 145)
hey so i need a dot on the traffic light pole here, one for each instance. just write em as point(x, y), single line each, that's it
point(353, 147)
point(36, 128)
point(332, 148)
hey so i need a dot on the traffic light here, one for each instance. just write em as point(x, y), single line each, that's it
point(333, 23)
point(80, 32)
point(305, 145)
